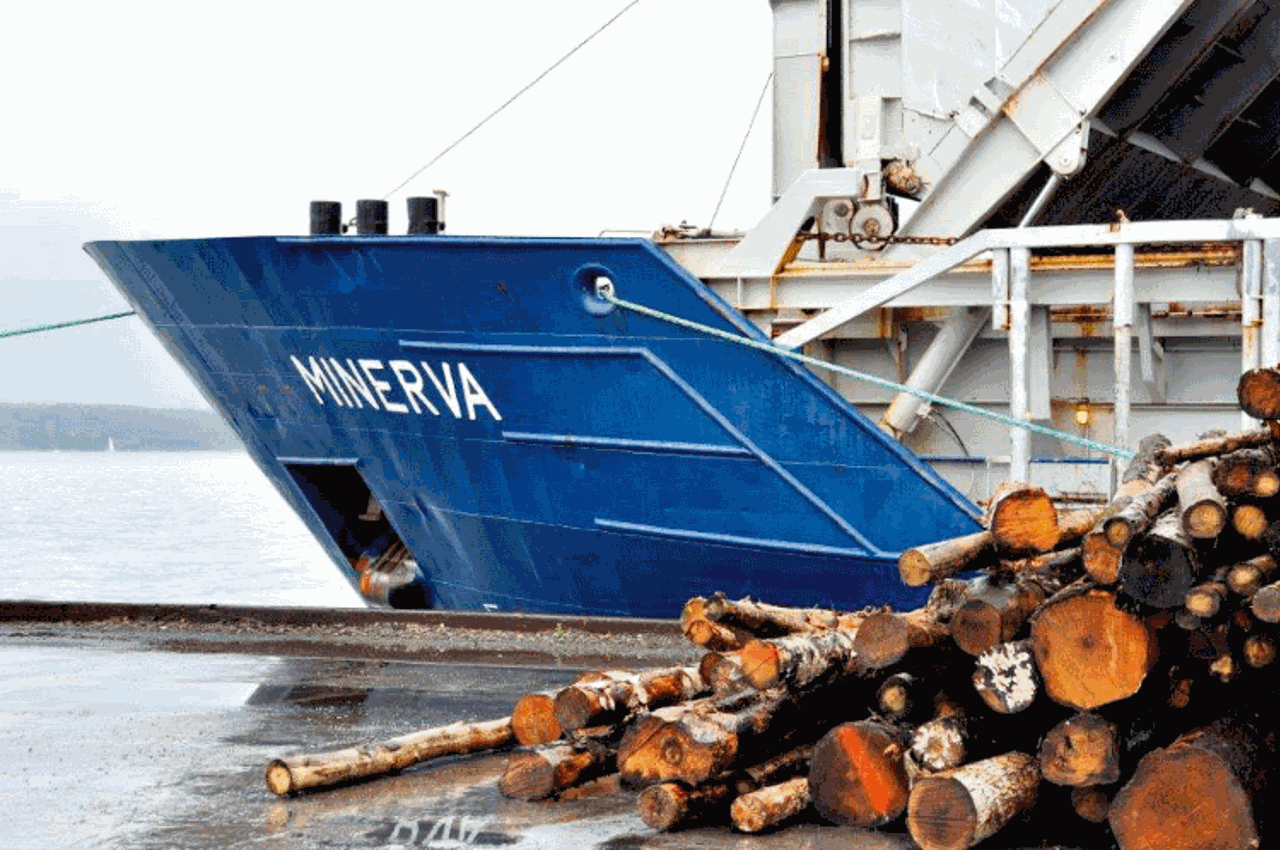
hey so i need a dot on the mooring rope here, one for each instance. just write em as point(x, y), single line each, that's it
point(604, 290)
point(35, 329)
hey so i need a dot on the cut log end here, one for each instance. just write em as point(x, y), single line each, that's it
point(1266, 603)
point(1090, 803)
point(670, 805)
point(722, 671)
point(1101, 558)
point(857, 776)
point(883, 639)
point(977, 628)
point(1266, 483)
point(1258, 392)
point(714, 636)
point(760, 663)
point(663, 806)
point(1249, 521)
point(575, 708)
point(533, 720)
point(934, 562)
point(1089, 652)
point(914, 568)
point(940, 743)
point(672, 744)
point(1183, 797)
point(1160, 568)
point(1259, 651)
point(1205, 521)
point(1005, 677)
point(1022, 519)
point(529, 776)
point(1202, 604)
point(942, 815)
point(963, 807)
point(1081, 751)
point(894, 695)
point(1117, 532)
point(1249, 577)
point(279, 778)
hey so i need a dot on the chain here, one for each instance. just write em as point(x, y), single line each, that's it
point(684, 230)
point(872, 243)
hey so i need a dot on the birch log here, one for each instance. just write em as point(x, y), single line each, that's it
point(545, 771)
point(799, 660)
point(932, 562)
point(1202, 508)
point(296, 773)
point(771, 805)
point(959, 808)
point(1216, 445)
point(614, 694)
point(1005, 677)
point(668, 805)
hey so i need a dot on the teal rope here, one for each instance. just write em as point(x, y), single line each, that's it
point(606, 292)
point(75, 323)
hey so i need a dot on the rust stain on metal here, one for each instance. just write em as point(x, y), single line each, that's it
point(1204, 256)
point(1081, 313)
point(884, 323)
point(1081, 372)
point(1088, 316)
point(913, 314)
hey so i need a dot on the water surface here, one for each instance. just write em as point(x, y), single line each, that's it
point(166, 527)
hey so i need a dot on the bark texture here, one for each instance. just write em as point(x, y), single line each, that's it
point(962, 807)
point(296, 773)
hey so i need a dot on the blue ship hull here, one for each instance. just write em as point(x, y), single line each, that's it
point(532, 447)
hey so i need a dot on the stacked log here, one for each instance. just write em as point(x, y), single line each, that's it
point(1134, 642)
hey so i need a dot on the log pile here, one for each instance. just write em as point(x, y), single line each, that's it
point(1090, 678)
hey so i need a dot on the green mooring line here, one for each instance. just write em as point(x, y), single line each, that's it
point(608, 295)
point(35, 329)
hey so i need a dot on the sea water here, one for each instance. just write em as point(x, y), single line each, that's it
point(166, 527)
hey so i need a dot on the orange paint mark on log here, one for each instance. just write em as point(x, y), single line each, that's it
point(879, 793)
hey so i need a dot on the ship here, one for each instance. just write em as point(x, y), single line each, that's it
point(1006, 241)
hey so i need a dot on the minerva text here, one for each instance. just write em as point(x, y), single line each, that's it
point(365, 382)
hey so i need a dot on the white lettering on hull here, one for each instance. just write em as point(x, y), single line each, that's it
point(358, 384)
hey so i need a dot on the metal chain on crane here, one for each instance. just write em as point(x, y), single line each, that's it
point(871, 242)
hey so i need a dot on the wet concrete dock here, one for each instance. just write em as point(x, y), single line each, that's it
point(136, 727)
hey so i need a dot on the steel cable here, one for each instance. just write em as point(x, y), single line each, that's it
point(606, 292)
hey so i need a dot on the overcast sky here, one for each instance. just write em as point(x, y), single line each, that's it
point(163, 119)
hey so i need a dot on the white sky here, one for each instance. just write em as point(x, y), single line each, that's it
point(166, 119)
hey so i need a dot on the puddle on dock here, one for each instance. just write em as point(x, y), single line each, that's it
point(160, 750)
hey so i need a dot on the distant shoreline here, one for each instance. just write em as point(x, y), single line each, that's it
point(230, 451)
point(102, 428)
